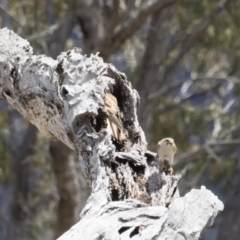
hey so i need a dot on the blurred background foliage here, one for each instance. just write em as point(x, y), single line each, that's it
point(183, 58)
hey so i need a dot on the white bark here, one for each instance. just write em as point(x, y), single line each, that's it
point(186, 218)
point(64, 98)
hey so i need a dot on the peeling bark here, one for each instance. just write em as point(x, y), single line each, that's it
point(65, 99)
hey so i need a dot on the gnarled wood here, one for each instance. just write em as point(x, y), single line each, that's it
point(65, 99)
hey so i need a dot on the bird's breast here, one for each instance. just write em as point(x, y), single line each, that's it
point(166, 153)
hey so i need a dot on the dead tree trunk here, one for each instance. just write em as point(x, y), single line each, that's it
point(65, 99)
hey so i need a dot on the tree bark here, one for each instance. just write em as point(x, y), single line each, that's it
point(65, 99)
point(62, 158)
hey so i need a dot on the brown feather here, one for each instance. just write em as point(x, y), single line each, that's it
point(115, 125)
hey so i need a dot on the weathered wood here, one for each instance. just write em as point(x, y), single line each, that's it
point(186, 218)
point(65, 99)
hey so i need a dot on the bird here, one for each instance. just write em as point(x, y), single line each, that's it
point(114, 122)
point(166, 149)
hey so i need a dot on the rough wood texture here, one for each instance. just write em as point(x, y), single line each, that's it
point(65, 99)
point(186, 218)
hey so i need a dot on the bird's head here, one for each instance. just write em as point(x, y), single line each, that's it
point(169, 141)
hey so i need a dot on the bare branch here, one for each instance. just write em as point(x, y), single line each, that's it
point(50, 30)
point(212, 153)
point(12, 16)
point(168, 88)
point(205, 149)
point(165, 89)
point(130, 27)
point(224, 142)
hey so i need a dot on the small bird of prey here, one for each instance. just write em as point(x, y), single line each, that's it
point(114, 122)
point(166, 149)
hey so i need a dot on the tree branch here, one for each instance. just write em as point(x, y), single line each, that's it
point(187, 157)
point(65, 99)
point(134, 220)
point(11, 15)
point(130, 27)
